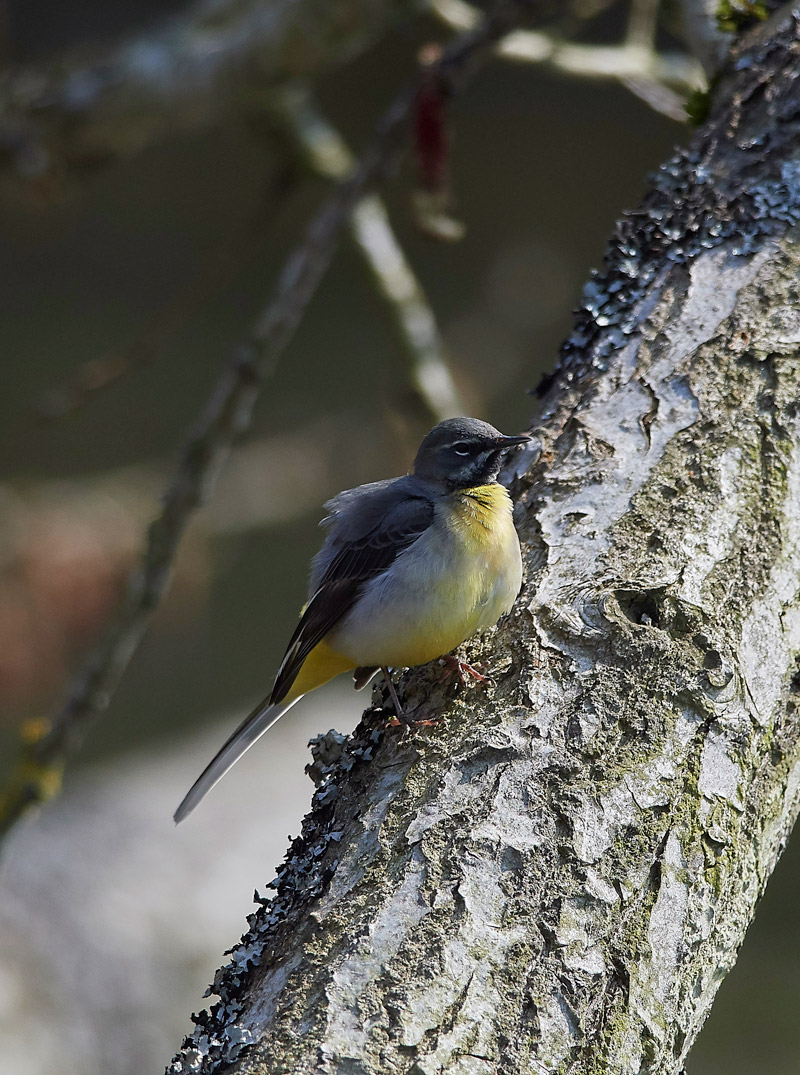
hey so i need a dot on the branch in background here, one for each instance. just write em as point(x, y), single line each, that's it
point(187, 72)
point(702, 32)
point(642, 24)
point(658, 97)
point(635, 63)
point(327, 155)
point(641, 33)
point(46, 748)
point(59, 121)
point(68, 546)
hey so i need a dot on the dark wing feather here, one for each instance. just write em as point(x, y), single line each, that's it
point(351, 564)
point(320, 615)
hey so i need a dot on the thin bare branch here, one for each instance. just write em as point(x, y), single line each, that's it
point(702, 34)
point(640, 33)
point(621, 63)
point(642, 24)
point(46, 747)
point(326, 154)
point(657, 96)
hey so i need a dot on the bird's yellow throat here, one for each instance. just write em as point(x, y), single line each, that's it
point(482, 508)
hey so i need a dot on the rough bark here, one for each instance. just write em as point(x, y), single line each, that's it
point(559, 874)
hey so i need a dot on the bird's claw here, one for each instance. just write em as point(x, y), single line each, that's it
point(408, 725)
point(455, 664)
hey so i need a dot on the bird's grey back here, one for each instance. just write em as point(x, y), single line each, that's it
point(385, 509)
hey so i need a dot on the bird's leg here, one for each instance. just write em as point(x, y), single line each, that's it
point(455, 664)
point(401, 717)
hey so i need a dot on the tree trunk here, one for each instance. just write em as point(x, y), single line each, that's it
point(558, 875)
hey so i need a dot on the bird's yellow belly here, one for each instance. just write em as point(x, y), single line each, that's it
point(457, 579)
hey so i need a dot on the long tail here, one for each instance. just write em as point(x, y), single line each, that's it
point(252, 728)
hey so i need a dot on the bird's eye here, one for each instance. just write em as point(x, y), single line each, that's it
point(461, 449)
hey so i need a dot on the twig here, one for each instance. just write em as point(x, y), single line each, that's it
point(46, 748)
point(658, 97)
point(642, 24)
point(326, 153)
point(627, 62)
point(703, 35)
point(640, 33)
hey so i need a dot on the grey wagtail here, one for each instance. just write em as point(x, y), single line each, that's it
point(411, 567)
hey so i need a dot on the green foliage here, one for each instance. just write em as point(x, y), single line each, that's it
point(698, 106)
point(734, 16)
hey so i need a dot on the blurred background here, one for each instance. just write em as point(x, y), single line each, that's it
point(124, 291)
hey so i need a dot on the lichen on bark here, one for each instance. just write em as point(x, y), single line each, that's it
point(558, 875)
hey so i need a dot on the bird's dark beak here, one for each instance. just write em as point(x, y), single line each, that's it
point(511, 442)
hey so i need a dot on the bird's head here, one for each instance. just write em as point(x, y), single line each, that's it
point(463, 452)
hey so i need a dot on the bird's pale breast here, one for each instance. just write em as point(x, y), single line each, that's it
point(459, 577)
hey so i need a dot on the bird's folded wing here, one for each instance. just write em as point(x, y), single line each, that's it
point(349, 564)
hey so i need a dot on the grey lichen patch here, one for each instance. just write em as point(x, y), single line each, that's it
point(653, 981)
point(347, 1026)
point(720, 775)
point(740, 191)
point(227, 1028)
point(771, 630)
point(576, 933)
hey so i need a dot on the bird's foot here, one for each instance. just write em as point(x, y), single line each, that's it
point(401, 719)
point(455, 664)
point(408, 724)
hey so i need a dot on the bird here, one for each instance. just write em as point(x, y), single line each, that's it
point(410, 568)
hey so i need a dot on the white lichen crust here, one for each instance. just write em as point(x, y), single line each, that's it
point(557, 876)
